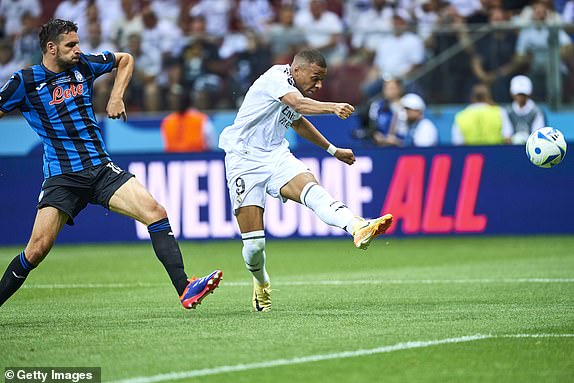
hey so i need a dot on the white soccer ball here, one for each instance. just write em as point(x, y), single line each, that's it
point(546, 147)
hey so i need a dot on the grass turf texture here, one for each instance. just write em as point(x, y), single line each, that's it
point(327, 298)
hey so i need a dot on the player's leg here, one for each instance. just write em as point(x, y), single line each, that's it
point(133, 200)
point(250, 221)
point(49, 221)
point(305, 189)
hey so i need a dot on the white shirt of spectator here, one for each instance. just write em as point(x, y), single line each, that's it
point(216, 15)
point(369, 23)
point(12, 12)
point(534, 40)
point(425, 133)
point(76, 12)
point(466, 8)
point(319, 32)
point(396, 55)
point(262, 120)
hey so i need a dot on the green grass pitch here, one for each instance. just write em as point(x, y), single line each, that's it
point(473, 309)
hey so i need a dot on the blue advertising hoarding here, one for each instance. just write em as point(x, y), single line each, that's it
point(434, 191)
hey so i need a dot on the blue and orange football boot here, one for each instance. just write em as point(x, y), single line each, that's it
point(197, 289)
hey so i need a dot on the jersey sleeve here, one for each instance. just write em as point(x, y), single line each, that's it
point(100, 63)
point(283, 83)
point(12, 94)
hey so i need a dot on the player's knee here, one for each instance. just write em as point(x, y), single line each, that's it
point(254, 253)
point(37, 250)
point(157, 212)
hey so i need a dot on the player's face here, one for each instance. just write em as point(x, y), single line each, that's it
point(309, 78)
point(68, 50)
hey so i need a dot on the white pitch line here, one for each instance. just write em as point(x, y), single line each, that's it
point(312, 283)
point(321, 357)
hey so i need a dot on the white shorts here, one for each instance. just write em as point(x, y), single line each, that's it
point(250, 179)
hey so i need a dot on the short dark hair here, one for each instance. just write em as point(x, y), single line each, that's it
point(52, 30)
point(312, 56)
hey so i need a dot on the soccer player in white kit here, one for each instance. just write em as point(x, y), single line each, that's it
point(258, 161)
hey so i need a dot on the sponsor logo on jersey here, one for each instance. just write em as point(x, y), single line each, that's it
point(60, 94)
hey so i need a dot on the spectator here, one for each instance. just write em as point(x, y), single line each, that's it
point(323, 31)
point(26, 42)
point(492, 61)
point(216, 14)
point(426, 14)
point(109, 11)
point(128, 24)
point(197, 76)
point(8, 63)
point(73, 10)
point(482, 122)
point(285, 39)
point(11, 14)
point(373, 23)
point(255, 15)
point(452, 31)
point(533, 48)
point(143, 90)
point(102, 85)
point(524, 115)
point(397, 55)
point(382, 114)
point(413, 128)
point(187, 130)
point(247, 65)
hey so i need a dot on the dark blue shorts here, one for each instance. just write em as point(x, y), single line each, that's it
point(71, 192)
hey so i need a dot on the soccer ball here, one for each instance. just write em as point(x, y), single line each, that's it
point(546, 147)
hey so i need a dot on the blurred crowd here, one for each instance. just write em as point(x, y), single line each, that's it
point(206, 53)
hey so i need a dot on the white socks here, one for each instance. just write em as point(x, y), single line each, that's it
point(330, 211)
point(254, 255)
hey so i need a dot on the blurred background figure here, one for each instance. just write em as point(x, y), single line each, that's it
point(187, 129)
point(482, 122)
point(381, 114)
point(396, 55)
point(143, 90)
point(413, 128)
point(284, 37)
point(492, 56)
point(533, 49)
point(524, 115)
point(11, 13)
point(323, 30)
point(8, 63)
point(26, 41)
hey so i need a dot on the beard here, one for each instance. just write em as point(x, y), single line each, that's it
point(65, 63)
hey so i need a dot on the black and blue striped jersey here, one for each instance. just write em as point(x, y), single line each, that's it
point(58, 106)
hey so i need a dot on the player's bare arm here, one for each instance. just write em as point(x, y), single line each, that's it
point(2, 114)
point(308, 131)
point(306, 105)
point(125, 65)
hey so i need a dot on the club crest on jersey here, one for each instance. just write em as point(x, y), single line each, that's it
point(60, 94)
point(79, 76)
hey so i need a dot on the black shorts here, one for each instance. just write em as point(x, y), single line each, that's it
point(71, 192)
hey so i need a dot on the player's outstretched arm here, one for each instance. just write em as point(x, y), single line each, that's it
point(308, 131)
point(306, 105)
point(116, 107)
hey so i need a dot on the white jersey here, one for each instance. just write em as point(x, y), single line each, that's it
point(262, 120)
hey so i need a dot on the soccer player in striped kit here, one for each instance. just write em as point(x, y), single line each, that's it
point(55, 98)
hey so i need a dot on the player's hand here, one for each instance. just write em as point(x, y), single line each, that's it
point(345, 155)
point(116, 109)
point(343, 110)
